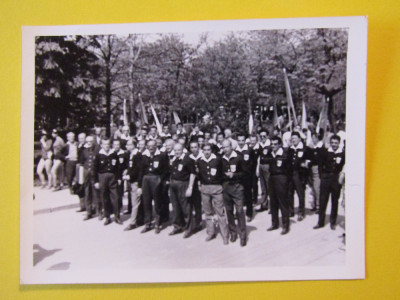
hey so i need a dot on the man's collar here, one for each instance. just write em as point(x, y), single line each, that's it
point(336, 152)
point(102, 151)
point(266, 144)
point(233, 154)
point(212, 156)
point(120, 152)
point(245, 147)
point(299, 146)
point(147, 152)
point(195, 157)
point(134, 152)
point(279, 152)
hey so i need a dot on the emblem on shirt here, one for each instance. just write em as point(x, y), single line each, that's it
point(279, 163)
point(156, 164)
point(113, 162)
point(233, 168)
point(180, 167)
point(130, 164)
point(300, 154)
point(246, 157)
point(121, 160)
point(265, 151)
point(213, 171)
point(338, 160)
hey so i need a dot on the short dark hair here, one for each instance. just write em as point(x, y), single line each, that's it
point(241, 133)
point(277, 139)
point(295, 133)
point(207, 145)
point(264, 130)
point(335, 137)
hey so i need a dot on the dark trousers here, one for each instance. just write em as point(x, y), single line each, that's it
point(264, 175)
point(70, 170)
point(109, 194)
point(297, 183)
point(181, 206)
point(329, 187)
point(196, 203)
point(151, 190)
point(254, 188)
point(164, 205)
point(120, 191)
point(248, 195)
point(93, 201)
point(279, 199)
point(233, 195)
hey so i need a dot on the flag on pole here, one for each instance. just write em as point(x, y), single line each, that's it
point(304, 117)
point(143, 112)
point(158, 124)
point(176, 117)
point(289, 98)
point(251, 120)
point(125, 116)
point(275, 120)
point(323, 117)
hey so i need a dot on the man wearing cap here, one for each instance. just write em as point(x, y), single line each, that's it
point(233, 172)
point(107, 173)
point(183, 174)
point(155, 165)
point(280, 171)
point(331, 162)
point(210, 176)
point(92, 197)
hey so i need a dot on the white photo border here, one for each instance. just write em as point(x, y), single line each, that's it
point(354, 267)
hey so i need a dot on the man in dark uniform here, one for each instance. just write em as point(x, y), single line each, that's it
point(195, 199)
point(331, 162)
point(123, 160)
point(210, 176)
point(183, 174)
point(280, 171)
point(155, 166)
point(262, 149)
point(92, 198)
point(300, 156)
point(134, 175)
point(250, 161)
point(168, 151)
point(107, 177)
point(234, 170)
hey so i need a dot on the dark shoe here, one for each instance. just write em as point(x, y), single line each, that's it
point(81, 210)
point(333, 226)
point(273, 228)
point(249, 218)
point(175, 231)
point(187, 234)
point(118, 221)
point(88, 217)
point(127, 212)
point(313, 209)
point(108, 221)
point(130, 227)
point(157, 229)
point(261, 209)
point(318, 226)
point(146, 228)
point(292, 214)
point(243, 242)
point(285, 231)
point(57, 188)
point(317, 211)
point(210, 237)
point(300, 218)
point(233, 238)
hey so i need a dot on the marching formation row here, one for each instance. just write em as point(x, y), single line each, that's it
point(222, 177)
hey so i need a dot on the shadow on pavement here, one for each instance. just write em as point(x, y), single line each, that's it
point(40, 253)
point(60, 267)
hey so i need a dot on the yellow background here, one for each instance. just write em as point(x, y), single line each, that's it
point(382, 144)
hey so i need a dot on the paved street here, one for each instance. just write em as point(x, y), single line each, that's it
point(63, 241)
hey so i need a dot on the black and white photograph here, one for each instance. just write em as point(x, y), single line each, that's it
point(193, 151)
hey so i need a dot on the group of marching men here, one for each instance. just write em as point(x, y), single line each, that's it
point(216, 174)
